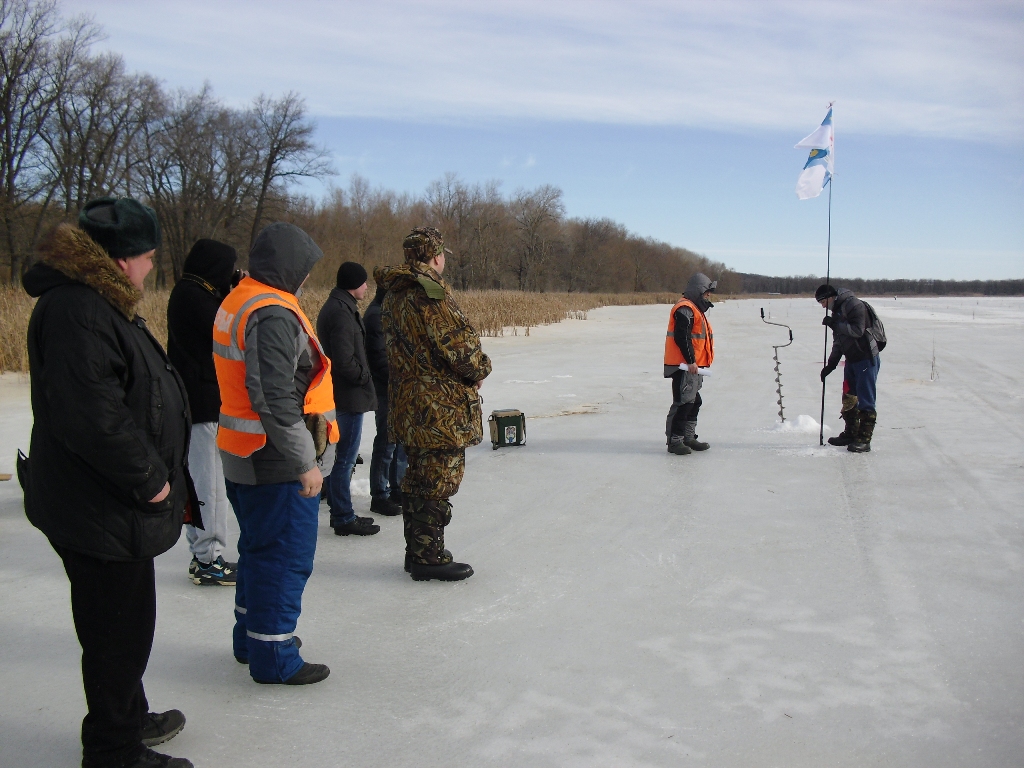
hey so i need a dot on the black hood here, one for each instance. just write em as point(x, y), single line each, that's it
point(283, 256)
point(42, 277)
point(695, 289)
point(213, 261)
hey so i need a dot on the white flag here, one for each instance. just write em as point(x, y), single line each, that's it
point(820, 164)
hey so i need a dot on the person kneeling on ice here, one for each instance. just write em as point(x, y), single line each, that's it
point(851, 324)
point(689, 345)
point(277, 421)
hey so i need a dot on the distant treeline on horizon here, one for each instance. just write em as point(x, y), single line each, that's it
point(751, 283)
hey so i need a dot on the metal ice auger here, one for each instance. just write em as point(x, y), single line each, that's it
point(778, 373)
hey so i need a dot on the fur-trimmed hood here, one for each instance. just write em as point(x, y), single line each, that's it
point(76, 257)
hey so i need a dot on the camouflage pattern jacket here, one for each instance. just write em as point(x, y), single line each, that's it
point(434, 359)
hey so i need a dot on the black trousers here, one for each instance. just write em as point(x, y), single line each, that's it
point(679, 414)
point(114, 608)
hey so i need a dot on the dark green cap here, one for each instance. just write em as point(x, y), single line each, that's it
point(122, 226)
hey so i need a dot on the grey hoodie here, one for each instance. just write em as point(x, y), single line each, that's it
point(279, 363)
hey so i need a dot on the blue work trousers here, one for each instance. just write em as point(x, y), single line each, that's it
point(276, 544)
point(339, 482)
point(864, 375)
point(388, 461)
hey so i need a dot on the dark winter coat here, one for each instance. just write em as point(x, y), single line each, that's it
point(435, 359)
point(191, 310)
point(376, 348)
point(111, 422)
point(343, 336)
point(850, 320)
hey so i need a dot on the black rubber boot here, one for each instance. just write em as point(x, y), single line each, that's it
point(690, 438)
point(849, 433)
point(867, 428)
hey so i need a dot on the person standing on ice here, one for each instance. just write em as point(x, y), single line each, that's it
point(850, 322)
point(107, 479)
point(689, 345)
point(343, 335)
point(277, 427)
point(436, 366)
point(207, 277)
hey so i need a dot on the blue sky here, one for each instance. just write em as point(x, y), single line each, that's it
point(677, 119)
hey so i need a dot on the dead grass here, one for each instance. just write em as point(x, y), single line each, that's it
point(492, 313)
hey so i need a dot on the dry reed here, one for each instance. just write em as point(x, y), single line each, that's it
point(492, 313)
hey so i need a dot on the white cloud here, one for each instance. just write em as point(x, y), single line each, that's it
point(946, 69)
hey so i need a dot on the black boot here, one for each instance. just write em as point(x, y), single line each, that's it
point(408, 560)
point(678, 446)
point(150, 759)
point(426, 557)
point(448, 572)
point(158, 728)
point(867, 428)
point(307, 675)
point(380, 505)
point(690, 437)
point(849, 433)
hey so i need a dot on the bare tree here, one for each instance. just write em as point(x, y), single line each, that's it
point(537, 216)
point(38, 49)
point(284, 148)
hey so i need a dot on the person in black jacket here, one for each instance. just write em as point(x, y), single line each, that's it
point(388, 461)
point(851, 338)
point(209, 272)
point(107, 480)
point(341, 331)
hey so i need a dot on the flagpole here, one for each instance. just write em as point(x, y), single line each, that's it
point(828, 277)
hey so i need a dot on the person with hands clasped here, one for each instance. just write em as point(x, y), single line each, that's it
point(107, 479)
point(689, 346)
point(277, 426)
point(851, 322)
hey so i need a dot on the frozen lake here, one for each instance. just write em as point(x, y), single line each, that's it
point(766, 603)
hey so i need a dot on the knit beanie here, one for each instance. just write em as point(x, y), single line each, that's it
point(350, 276)
point(123, 227)
point(825, 291)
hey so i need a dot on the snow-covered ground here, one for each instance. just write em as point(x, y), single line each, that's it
point(767, 603)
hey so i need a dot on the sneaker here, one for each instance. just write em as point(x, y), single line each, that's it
point(384, 506)
point(193, 566)
point(307, 675)
point(150, 759)
point(160, 727)
point(361, 526)
point(298, 644)
point(217, 572)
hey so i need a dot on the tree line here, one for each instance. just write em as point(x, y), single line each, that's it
point(750, 283)
point(77, 126)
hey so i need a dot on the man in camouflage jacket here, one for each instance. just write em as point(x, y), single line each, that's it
point(436, 367)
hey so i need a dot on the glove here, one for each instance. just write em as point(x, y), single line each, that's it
point(825, 372)
point(829, 320)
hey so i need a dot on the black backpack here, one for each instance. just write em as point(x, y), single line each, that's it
point(875, 330)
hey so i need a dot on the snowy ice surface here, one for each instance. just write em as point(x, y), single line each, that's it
point(746, 606)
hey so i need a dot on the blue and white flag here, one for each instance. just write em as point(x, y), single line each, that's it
point(819, 167)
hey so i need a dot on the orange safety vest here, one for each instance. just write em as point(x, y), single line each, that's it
point(701, 336)
point(240, 431)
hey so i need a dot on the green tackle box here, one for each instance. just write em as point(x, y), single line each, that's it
point(508, 427)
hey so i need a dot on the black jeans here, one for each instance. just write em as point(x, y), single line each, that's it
point(114, 608)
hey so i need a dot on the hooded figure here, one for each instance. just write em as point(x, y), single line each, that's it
point(277, 428)
point(208, 275)
point(689, 346)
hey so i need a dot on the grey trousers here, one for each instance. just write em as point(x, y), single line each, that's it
point(208, 475)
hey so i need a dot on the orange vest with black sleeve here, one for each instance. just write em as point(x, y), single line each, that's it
point(701, 337)
point(240, 431)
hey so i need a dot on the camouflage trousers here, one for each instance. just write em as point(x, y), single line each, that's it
point(433, 475)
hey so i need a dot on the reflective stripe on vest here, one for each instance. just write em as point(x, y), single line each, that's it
point(240, 432)
point(701, 337)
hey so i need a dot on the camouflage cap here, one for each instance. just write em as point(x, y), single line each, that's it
point(423, 244)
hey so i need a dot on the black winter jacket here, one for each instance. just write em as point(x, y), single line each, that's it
point(850, 322)
point(376, 349)
point(190, 313)
point(343, 336)
point(111, 422)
